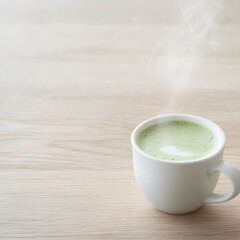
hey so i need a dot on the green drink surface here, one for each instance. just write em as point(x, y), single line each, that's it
point(177, 140)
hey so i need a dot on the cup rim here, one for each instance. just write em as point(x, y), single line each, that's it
point(213, 126)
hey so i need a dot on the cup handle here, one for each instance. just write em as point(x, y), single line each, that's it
point(233, 174)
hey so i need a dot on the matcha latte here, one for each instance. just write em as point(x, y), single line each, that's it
point(177, 140)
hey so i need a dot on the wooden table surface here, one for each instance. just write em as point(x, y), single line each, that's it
point(74, 82)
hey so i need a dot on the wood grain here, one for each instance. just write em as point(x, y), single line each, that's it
point(74, 82)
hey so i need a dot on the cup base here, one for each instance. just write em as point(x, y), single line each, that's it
point(179, 212)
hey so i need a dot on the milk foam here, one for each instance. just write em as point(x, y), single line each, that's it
point(177, 140)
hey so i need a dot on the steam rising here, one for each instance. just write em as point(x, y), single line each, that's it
point(195, 36)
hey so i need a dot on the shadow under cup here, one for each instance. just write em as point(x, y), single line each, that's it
point(179, 187)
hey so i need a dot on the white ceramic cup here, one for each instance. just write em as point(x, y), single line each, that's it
point(180, 187)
